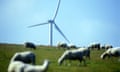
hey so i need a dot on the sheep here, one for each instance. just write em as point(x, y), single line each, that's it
point(106, 46)
point(38, 68)
point(94, 46)
point(26, 57)
point(111, 52)
point(72, 46)
point(75, 54)
point(86, 52)
point(62, 45)
point(18, 66)
point(30, 45)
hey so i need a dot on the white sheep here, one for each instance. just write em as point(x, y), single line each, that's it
point(106, 46)
point(72, 46)
point(37, 68)
point(111, 52)
point(26, 57)
point(62, 45)
point(18, 66)
point(94, 46)
point(75, 54)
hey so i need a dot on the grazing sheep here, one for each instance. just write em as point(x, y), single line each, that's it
point(18, 66)
point(106, 46)
point(30, 45)
point(62, 45)
point(94, 46)
point(26, 57)
point(111, 52)
point(75, 54)
point(72, 46)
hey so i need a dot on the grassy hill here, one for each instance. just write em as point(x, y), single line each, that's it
point(95, 64)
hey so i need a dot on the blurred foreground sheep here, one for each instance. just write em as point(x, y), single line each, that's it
point(25, 57)
point(18, 66)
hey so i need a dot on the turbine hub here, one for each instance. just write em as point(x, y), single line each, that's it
point(51, 21)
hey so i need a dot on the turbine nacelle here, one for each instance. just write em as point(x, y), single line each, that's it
point(51, 21)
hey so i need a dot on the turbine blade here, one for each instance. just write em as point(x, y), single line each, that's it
point(56, 10)
point(58, 29)
point(38, 24)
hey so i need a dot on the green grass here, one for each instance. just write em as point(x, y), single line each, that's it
point(95, 64)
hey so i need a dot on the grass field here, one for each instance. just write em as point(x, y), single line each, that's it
point(95, 64)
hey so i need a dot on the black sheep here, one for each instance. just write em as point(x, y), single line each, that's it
point(30, 45)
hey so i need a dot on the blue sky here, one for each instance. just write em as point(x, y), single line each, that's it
point(82, 21)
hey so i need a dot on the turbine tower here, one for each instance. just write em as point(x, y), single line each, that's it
point(51, 22)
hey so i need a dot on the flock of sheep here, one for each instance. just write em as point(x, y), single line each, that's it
point(25, 61)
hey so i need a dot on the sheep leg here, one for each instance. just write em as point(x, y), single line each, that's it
point(88, 57)
point(69, 63)
point(33, 59)
point(84, 61)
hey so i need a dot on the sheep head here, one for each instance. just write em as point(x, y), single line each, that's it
point(104, 55)
point(63, 57)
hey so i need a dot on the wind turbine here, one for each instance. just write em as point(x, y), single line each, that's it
point(51, 22)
